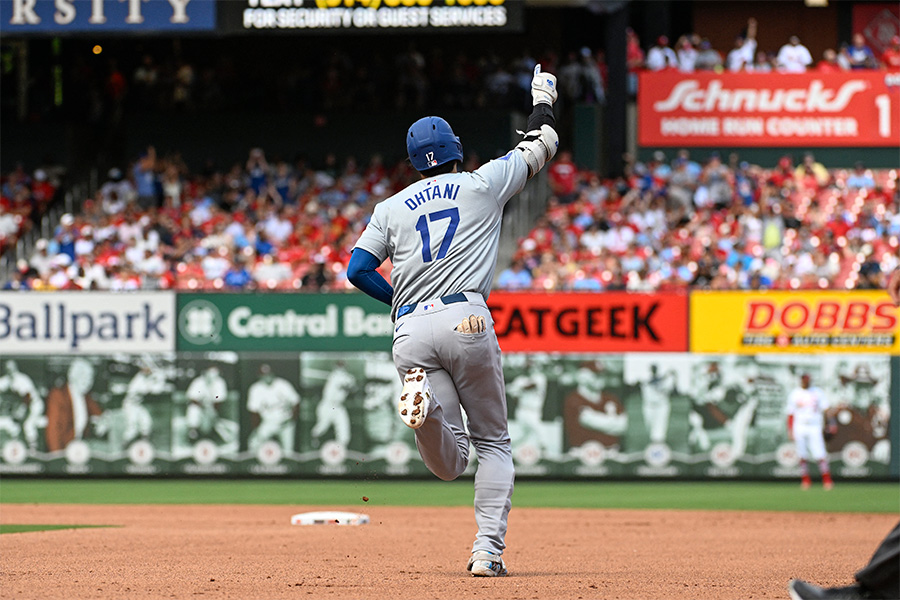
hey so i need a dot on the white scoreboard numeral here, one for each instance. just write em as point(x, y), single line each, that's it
point(883, 102)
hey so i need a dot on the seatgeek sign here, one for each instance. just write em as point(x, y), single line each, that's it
point(122, 16)
point(856, 108)
point(87, 323)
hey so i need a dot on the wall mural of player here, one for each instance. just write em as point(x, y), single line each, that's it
point(656, 402)
point(205, 425)
point(72, 412)
point(21, 407)
point(388, 437)
point(332, 417)
point(151, 379)
point(722, 411)
point(593, 412)
point(529, 378)
point(860, 393)
point(274, 406)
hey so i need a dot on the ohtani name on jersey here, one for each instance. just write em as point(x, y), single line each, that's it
point(449, 191)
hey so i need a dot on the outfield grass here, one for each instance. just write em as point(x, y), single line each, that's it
point(765, 496)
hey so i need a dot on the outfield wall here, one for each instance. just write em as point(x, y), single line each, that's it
point(598, 385)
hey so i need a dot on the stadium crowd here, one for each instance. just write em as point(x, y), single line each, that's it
point(693, 53)
point(159, 78)
point(671, 223)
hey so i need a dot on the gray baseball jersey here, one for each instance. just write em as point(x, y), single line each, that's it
point(442, 233)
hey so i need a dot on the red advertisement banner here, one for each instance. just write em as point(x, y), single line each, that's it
point(590, 322)
point(855, 108)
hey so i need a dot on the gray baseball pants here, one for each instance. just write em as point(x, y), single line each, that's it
point(464, 369)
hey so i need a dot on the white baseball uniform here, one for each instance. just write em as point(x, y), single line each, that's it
point(138, 421)
point(21, 384)
point(331, 411)
point(208, 391)
point(657, 405)
point(808, 406)
point(274, 402)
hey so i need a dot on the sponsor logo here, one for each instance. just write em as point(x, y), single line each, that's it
point(200, 322)
point(75, 324)
point(691, 96)
point(824, 323)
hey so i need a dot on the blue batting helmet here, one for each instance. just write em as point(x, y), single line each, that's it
point(430, 143)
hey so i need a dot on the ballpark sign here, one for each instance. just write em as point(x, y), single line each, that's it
point(751, 323)
point(87, 322)
point(282, 322)
point(857, 108)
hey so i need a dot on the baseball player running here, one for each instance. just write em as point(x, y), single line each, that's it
point(806, 409)
point(441, 234)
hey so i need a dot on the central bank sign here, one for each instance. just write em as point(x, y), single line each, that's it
point(282, 322)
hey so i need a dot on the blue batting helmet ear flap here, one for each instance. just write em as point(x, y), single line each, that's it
point(430, 142)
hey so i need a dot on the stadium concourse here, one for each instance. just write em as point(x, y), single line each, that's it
point(675, 222)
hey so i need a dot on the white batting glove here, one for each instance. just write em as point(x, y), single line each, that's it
point(543, 87)
point(472, 324)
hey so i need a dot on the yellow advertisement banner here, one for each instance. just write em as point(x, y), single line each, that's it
point(790, 322)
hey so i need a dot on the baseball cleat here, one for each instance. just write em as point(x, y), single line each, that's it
point(801, 590)
point(415, 399)
point(486, 564)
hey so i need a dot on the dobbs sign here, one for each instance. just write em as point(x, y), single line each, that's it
point(858, 108)
point(590, 322)
point(751, 323)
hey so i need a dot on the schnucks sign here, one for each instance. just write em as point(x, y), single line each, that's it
point(590, 322)
point(856, 108)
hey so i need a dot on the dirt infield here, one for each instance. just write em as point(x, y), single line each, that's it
point(214, 552)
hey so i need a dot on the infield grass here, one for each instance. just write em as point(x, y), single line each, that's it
point(10, 528)
point(756, 496)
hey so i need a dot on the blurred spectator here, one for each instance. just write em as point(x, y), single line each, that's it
point(742, 55)
point(687, 55)
point(763, 63)
point(145, 80)
point(708, 59)
point(860, 55)
point(515, 277)
point(592, 89)
point(829, 62)
point(861, 178)
point(810, 167)
point(793, 57)
point(890, 58)
point(144, 173)
point(562, 176)
point(634, 56)
point(660, 56)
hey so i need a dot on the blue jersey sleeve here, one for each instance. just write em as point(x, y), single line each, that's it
point(361, 273)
